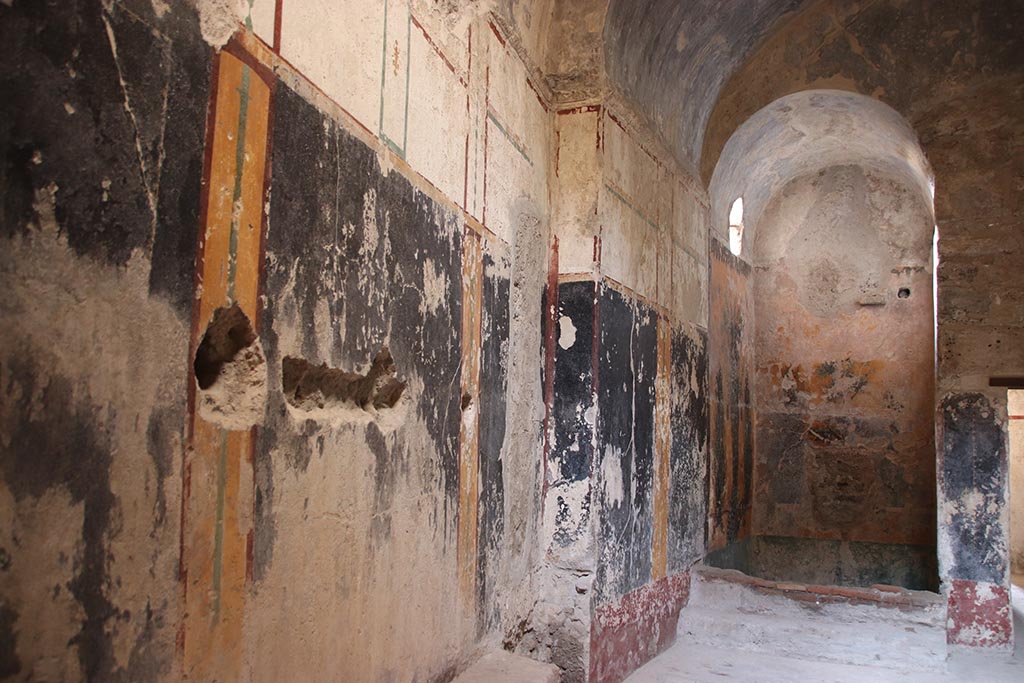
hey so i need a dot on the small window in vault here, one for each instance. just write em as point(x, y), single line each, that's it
point(736, 227)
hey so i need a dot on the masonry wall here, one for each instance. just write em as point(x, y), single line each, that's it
point(102, 132)
point(632, 312)
point(221, 264)
point(295, 354)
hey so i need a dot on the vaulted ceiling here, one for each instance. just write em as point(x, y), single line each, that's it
point(672, 58)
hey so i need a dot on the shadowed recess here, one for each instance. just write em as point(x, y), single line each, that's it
point(229, 332)
point(307, 386)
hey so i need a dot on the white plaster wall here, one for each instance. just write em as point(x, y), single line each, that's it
point(338, 45)
point(438, 119)
point(446, 91)
point(653, 225)
point(577, 184)
point(518, 139)
point(261, 16)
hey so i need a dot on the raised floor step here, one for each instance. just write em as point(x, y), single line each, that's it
point(505, 667)
point(878, 626)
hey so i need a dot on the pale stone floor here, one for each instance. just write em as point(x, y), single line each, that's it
point(686, 663)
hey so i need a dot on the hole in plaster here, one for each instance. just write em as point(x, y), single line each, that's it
point(736, 227)
point(903, 293)
point(566, 332)
point(309, 387)
point(467, 400)
point(231, 371)
point(229, 332)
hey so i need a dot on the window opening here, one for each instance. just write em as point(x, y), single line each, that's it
point(736, 227)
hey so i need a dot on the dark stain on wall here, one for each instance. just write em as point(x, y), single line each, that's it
point(781, 464)
point(177, 227)
point(687, 497)
point(326, 188)
point(717, 484)
point(627, 364)
point(40, 44)
point(844, 471)
point(844, 563)
point(107, 104)
point(384, 472)
point(165, 425)
point(831, 477)
point(974, 463)
point(10, 665)
point(730, 354)
point(66, 118)
point(264, 528)
point(66, 446)
point(491, 429)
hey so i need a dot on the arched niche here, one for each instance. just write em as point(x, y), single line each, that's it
point(838, 228)
point(803, 133)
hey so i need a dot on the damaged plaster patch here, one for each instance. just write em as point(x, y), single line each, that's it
point(557, 627)
point(231, 371)
point(567, 332)
point(611, 473)
point(219, 19)
point(567, 521)
point(435, 287)
point(98, 359)
point(457, 14)
point(160, 8)
point(309, 387)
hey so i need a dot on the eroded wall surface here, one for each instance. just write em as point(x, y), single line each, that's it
point(272, 340)
point(624, 501)
point(845, 389)
point(731, 409)
point(102, 132)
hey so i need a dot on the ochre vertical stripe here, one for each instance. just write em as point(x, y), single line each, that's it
point(218, 506)
point(469, 463)
point(662, 447)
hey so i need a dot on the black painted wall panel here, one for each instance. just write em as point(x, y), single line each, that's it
point(627, 365)
point(571, 428)
point(974, 462)
point(687, 496)
point(117, 125)
point(572, 445)
point(493, 409)
point(345, 236)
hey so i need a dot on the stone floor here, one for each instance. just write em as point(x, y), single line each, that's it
point(686, 663)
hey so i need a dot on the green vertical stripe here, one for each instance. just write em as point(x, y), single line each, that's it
point(236, 197)
point(399, 150)
point(383, 69)
point(408, 60)
point(236, 212)
point(218, 538)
